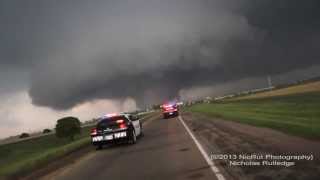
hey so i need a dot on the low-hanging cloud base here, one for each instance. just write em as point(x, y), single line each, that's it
point(152, 50)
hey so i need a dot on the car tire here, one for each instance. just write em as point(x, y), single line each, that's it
point(133, 137)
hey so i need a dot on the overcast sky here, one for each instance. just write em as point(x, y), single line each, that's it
point(86, 58)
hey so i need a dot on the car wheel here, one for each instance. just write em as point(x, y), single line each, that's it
point(133, 138)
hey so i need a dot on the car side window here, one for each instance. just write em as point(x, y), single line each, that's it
point(134, 117)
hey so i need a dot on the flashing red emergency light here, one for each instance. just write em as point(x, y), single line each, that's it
point(94, 132)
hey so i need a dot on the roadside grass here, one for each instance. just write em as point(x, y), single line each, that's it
point(297, 114)
point(23, 157)
point(297, 89)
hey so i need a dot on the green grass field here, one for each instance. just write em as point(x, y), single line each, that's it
point(296, 89)
point(22, 157)
point(297, 114)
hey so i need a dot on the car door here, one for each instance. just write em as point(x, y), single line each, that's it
point(136, 124)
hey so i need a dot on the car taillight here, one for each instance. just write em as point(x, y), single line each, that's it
point(123, 125)
point(94, 132)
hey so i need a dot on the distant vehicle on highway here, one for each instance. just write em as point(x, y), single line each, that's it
point(170, 110)
point(114, 128)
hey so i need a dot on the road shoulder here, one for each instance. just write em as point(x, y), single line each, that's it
point(222, 137)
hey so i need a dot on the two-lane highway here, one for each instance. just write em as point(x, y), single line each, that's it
point(166, 151)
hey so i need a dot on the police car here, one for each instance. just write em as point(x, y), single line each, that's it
point(116, 128)
point(170, 109)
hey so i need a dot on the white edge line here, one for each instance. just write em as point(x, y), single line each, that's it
point(213, 167)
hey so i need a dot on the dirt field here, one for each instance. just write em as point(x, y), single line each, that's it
point(303, 88)
point(232, 138)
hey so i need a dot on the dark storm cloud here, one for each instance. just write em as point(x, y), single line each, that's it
point(149, 50)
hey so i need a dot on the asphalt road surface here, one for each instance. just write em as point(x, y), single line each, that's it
point(167, 151)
